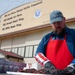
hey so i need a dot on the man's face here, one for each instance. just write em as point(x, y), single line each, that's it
point(58, 26)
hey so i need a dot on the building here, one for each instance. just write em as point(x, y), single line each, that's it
point(22, 28)
point(10, 56)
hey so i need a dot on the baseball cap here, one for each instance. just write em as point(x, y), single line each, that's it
point(56, 16)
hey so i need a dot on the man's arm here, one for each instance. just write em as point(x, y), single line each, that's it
point(47, 64)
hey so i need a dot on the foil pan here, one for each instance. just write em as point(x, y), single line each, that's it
point(20, 73)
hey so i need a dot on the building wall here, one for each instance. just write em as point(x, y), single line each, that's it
point(21, 18)
point(34, 14)
point(31, 39)
point(23, 40)
point(15, 59)
point(2, 55)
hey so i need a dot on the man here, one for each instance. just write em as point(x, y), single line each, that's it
point(57, 49)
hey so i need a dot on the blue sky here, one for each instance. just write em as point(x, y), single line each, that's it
point(6, 5)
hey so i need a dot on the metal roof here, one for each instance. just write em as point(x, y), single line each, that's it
point(10, 54)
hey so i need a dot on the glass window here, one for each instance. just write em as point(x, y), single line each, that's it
point(21, 51)
point(35, 48)
point(29, 50)
point(14, 50)
point(8, 49)
point(3, 49)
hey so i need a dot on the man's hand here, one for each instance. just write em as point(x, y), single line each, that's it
point(50, 68)
point(70, 70)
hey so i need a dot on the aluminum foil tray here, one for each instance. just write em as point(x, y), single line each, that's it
point(20, 73)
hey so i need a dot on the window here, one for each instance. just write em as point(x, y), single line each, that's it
point(35, 48)
point(25, 51)
point(3, 49)
point(21, 51)
point(14, 50)
point(8, 49)
point(28, 51)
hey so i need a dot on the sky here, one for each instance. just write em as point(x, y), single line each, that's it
point(6, 5)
